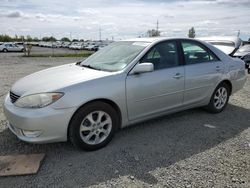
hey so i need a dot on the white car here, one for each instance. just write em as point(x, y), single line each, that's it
point(11, 47)
point(91, 47)
point(76, 46)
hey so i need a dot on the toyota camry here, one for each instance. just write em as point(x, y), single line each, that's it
point(122, 84)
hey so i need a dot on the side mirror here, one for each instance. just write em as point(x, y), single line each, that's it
point(142, 68)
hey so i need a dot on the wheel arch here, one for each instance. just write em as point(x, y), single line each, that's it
point(108, 101)
point(229, 85)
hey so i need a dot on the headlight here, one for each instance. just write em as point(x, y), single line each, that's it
point(39, 100)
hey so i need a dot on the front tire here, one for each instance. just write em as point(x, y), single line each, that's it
point(219, 99)
point(5, 50)
point(93, 126)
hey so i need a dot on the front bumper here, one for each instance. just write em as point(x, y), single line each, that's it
point(44, 125)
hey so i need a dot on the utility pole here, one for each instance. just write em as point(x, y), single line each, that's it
point(52, 47)
point(157, 26)
point(238, 34)
point(100, 33)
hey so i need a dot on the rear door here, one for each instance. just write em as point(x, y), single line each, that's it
point(153, 92)
point(203, 70)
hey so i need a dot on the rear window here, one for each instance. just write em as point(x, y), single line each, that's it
point(195, 53)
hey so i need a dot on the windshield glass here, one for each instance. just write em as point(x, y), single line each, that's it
point(245, 48)
point(222, 43)
point(116, 56)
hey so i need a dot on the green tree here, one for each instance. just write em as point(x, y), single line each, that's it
point(153, 33)
point(21, 38)
point(5, 38)
point(191, 33)
point(65, 39)
point(16, 38)
point(29, 38)
point(75, 40)
point(35, 39)
point(49, 39)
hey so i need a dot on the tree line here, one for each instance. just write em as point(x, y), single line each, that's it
point(28, 38)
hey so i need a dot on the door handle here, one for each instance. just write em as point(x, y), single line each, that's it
point(177, 76)
point(218, 68)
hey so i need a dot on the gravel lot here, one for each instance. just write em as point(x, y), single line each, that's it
point(186, 149)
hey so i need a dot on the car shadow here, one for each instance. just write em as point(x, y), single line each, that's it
point(134, 151)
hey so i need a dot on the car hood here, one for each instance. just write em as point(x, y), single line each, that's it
point(55, 78)
point(226, 49)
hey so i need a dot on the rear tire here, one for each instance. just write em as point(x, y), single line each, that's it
point(93, 126)
point(219, 99)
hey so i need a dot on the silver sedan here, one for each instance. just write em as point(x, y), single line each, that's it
point(122, 84)
point(11, 47)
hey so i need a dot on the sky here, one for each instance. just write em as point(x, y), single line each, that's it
point(117, 19)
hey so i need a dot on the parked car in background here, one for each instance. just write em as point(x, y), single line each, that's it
point(11, 47)
point(65, 44)
point(57, 44)
point(244, 54)
point(76, 46)
point(91, 47)
point(125, 83)
point(229, 45)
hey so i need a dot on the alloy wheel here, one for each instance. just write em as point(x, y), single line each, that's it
point(95, 127)
point(220, 98)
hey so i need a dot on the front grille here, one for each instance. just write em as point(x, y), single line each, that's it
point(13, 97)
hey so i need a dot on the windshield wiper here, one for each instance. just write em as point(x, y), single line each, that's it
point(90, 67)
point(78, 63)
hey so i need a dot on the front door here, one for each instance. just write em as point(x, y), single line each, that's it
point(160, 90)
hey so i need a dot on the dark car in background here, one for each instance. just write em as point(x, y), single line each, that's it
point(244, 54)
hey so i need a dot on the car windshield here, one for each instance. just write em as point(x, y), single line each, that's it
point(245, 48)
point(116, 56)
point(222, 43)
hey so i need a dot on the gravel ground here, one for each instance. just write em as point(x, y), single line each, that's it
point(186, 149)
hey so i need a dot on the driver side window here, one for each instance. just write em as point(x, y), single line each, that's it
point(162, 55)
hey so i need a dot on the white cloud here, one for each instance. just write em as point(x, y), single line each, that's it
point(124, 19)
